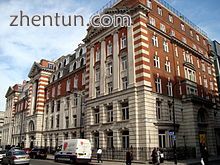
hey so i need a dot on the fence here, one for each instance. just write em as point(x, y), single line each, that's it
point(144, 154)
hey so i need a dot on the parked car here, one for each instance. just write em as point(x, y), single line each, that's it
point(2, 154)
point(38, 153)
point(16, 157)
point(27, 150)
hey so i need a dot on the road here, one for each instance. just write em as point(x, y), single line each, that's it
point(51, 162)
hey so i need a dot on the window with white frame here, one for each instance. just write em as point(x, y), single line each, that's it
point(211, 85)
point(75, 82)
point(162, 27)
point(170, 18)
point(110, 139)
point(96, 140)
point(123, 41)
point(205, 83)
point(110, 87)
point(75, 99)
point(169, 88)
point(58, 89)
point(57, 121)
point(125, 111)
point(68, 85)
point(158, 109)
point(125, 139)
point(184, 40)
point(197, 37)
point(124, 82)
point(74, 120)
point(159, 11)
point(110, 113)
point(203, 67)
point(84, 78)
point(97, 115)
point(172, 33)
point(152, 21)
point(157, 61)
point(178, 70)
point(198, 63)
point(155, 41)
point(200, 80)
point(149, 4)
point(176, 51)
point(191, 33)
point(209, 70)
point(162, 138)
point(182, 27)
point(190, 74)
point(109, 49)
point(97, 91)
point(158, 85)
point(167, 66)
point(109, 69)
point(204, 42)
point(98, 54)
point(97, 74)
point(170, 111)
point(165, 45)
point(67, 121)
point(124, 62)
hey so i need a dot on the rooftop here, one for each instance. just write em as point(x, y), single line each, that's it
point(112, 3)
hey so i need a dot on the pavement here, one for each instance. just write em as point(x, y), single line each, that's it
point(122, 162)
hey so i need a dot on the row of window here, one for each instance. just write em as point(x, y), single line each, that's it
point(171, 20)
point(123, 44)
point(158, 85)
point(124, 109)
point(109, 139)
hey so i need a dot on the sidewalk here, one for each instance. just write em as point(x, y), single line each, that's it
point(119, 162)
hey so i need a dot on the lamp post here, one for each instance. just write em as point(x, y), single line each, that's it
point(174, 122)
point(81, 94)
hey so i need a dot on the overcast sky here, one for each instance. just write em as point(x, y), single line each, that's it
point(21, 46)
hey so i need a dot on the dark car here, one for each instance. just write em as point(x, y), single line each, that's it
point(38, 153)
point(2, 154)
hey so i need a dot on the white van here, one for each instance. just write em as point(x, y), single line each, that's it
point(75, 151)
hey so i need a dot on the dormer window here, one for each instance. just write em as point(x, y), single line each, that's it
point(159, 11)
point(50, 66)
point(60, 65)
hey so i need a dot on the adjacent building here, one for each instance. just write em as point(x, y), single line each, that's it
point(2, 115)
point(64, 107)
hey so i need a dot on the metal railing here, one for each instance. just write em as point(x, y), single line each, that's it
point(110, 4)
point(181, 16)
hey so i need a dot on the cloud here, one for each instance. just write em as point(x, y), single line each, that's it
point(21, 46)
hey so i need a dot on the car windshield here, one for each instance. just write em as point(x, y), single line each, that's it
point(19, 153)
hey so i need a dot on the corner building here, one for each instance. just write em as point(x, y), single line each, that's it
point(133, 72)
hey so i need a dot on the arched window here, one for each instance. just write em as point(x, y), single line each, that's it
point(58, 75)
point(125, 139)
point(82, 62)
point(60, 64)
point(64, 63)
point(74, 66)
point(31, 126)
point(80, 52)
point(54, 78)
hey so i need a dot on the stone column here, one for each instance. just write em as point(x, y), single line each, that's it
point(117, 139)
point(116, 66)
point(103, 68)
point(131, 58)
point(102, 141)
point(91, 75)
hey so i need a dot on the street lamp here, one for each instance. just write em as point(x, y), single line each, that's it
point(174, 122)
point(81, 94)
